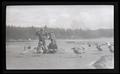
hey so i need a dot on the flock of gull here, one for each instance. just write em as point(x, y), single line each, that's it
point(80, 49)
point(98, 46)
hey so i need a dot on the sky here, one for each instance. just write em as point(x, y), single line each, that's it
point(62, 16)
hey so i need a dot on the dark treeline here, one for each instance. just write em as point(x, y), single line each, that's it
point(30, 32)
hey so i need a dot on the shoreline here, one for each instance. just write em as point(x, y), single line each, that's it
point(91, 39)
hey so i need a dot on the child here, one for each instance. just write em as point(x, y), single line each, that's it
point(52, 46)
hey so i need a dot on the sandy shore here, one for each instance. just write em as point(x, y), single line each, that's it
point(65, 58)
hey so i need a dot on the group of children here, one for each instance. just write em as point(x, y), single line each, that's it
point(43, 35)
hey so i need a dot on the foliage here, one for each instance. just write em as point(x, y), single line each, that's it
point(29, 33)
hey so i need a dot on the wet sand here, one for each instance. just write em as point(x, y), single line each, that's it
point(65, 58)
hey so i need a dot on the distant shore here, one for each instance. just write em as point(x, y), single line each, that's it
point(93, 39)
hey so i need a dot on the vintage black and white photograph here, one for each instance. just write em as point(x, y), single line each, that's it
point(59, 37)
